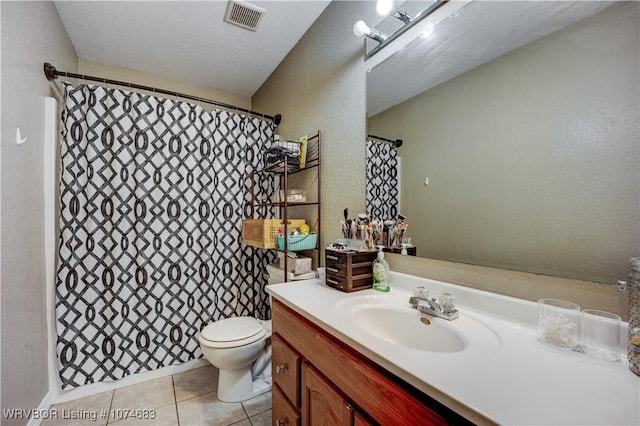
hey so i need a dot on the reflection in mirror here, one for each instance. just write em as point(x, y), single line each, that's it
point(523, 116)
point(383, 187)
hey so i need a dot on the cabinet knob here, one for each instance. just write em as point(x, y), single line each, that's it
point(280, 368)
point(280, 422)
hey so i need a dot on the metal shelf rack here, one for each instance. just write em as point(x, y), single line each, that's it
point(281, 169)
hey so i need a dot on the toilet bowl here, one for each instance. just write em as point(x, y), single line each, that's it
point(233, 345)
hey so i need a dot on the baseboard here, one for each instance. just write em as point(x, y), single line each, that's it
point(60, 396)
point(43, 407)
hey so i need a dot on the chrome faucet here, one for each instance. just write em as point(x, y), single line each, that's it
point(444, 309)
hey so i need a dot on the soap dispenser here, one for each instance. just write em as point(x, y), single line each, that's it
point(380, 272)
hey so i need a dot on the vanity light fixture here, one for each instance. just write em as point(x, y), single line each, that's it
point(388, 8)
point(428, 31)
point(361, 28)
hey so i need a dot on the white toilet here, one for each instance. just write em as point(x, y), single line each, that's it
point(238, 347)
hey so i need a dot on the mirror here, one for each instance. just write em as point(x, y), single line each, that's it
point(524, 118)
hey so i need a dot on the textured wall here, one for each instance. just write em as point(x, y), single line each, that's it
point(321, 84)
point(314, 88)
point(532, 157)
point(96, 69)
point(31, 34)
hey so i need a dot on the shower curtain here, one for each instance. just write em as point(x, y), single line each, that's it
point(152, 196)
point(382, 180)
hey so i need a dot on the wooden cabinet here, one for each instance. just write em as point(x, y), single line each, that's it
point(360, 420)
point(338, 385)
point(283, 413)
point(286, 369)
point(285, 363)
point(323, 404)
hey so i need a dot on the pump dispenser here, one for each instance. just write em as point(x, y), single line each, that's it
point(380, 272)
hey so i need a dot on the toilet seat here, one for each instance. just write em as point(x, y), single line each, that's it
point(232, 332)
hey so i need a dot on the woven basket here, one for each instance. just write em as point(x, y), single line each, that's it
point(263, 233)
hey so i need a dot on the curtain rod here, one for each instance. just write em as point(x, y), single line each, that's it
point(397, 142)
point(52, 73)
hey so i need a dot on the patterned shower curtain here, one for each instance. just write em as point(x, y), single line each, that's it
point(152, 196)
point(382, 180)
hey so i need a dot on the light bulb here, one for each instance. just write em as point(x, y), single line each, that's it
point(428, 30)
point(384, 7)
point(360, 28)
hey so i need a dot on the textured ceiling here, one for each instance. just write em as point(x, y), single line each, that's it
point(479, 32)
point(188, 41)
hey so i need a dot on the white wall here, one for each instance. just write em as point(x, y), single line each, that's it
point(31, 35)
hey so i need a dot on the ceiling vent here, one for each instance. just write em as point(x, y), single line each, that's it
point(243, 14)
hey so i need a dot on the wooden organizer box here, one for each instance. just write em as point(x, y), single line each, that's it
point(349, 271)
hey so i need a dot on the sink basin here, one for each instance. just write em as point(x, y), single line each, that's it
point(410, 329)
point(389, 318)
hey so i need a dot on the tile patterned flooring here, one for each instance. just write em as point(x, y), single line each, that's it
point(182, 399)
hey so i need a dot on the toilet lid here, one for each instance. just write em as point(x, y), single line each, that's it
point(232, 329)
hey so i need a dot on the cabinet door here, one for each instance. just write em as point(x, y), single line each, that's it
point(360, 420)
point(283, 413)
point(321, 403)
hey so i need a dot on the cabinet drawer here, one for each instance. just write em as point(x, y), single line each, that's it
point(349, 264)
point(340, 269)
point(335, 265)
point(283, 413)
point(285, 363)
point(358, 282)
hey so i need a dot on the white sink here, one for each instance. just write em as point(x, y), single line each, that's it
point(390, 318)
point(410, 329)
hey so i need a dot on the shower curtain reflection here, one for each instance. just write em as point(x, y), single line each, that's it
point(152, 196)
point(382, 197)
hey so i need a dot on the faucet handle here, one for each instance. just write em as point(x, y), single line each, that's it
point(421, 292)
point(447, 302)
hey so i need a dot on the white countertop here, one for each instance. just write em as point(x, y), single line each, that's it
point(511, 380)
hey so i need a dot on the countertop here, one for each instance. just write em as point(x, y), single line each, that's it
point(510, 379)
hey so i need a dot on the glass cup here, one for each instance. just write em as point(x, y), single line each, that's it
point(600, 335)
point(558, 323)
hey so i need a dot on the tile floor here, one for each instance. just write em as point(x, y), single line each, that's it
point(187, 398)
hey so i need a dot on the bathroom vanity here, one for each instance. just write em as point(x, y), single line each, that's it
point(366, 358)
point(319, 377)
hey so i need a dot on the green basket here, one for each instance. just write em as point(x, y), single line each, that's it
point(299, 242)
